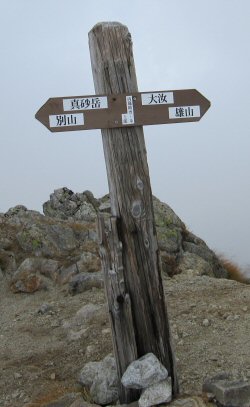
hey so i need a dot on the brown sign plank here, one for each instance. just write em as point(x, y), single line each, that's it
point(122, 110)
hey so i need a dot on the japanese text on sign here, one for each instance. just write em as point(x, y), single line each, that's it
point(100, 102)
point(63, 120)
point(160, 98)
point(184, 112)
point(129, 118)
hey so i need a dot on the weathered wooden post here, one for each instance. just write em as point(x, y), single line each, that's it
point(129, 251)
point(130, 255)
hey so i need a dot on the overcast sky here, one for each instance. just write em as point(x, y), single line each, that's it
point(200, 169)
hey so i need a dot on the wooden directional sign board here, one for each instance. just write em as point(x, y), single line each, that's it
point(122, 110)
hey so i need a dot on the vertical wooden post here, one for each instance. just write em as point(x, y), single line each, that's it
point(130, 258)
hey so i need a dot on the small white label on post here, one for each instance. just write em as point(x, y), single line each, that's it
point(160, 98)
point(90, 103)
point(63, 120)
point(129, 118)
point(184, 112)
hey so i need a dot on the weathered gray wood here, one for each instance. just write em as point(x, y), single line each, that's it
point(119, 303)
point(131, 203)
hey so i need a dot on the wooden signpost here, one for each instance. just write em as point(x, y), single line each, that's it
point(129, 249)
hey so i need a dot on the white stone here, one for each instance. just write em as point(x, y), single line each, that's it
point(144, 372)
point(156, 394)
point(205, 322)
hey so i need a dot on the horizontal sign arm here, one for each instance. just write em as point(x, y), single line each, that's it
point(122, 110)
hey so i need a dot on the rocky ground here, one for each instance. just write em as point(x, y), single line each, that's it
point(43, 348)
point(53, 313)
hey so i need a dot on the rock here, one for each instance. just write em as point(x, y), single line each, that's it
point(198, 247)
point(105, 207)
point(144, 372)
point(85, 281)
point(26, 282)
point(231, 393)
point(35, 264)
point(16, 210)
point(156, 394)
point(88, 262)
point(67, 273)
point(64, 204)
point(169, 227)
point(44, 308)
point(102, 379)
point(27, 277)
point(48, 268)
point(104, 389)
point(191, 261)
point(88, 373)
point(180, 249)
point(64, 244)
point(205, 322)
point(44, 239)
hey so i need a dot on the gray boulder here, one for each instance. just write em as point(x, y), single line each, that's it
point(67, 235)
point(89, 373)
point(47, 239)
point(85, 281)
point(64, 204)
point(156, 394)
point(144, 372)
point(180, 248)
point(192, 263)
point(228, 392)
point(102, 379)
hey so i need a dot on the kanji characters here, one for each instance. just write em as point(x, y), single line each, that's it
point(159, 98)
point(184, 111)
point(66, 120)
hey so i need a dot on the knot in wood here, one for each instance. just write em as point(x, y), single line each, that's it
point(120, 299)
point(136, 209)
point(139, 184)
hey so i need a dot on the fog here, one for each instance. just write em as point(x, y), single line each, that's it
point(200, 169)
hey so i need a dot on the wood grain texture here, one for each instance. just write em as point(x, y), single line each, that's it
point(119, 303)
point(131, 205)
